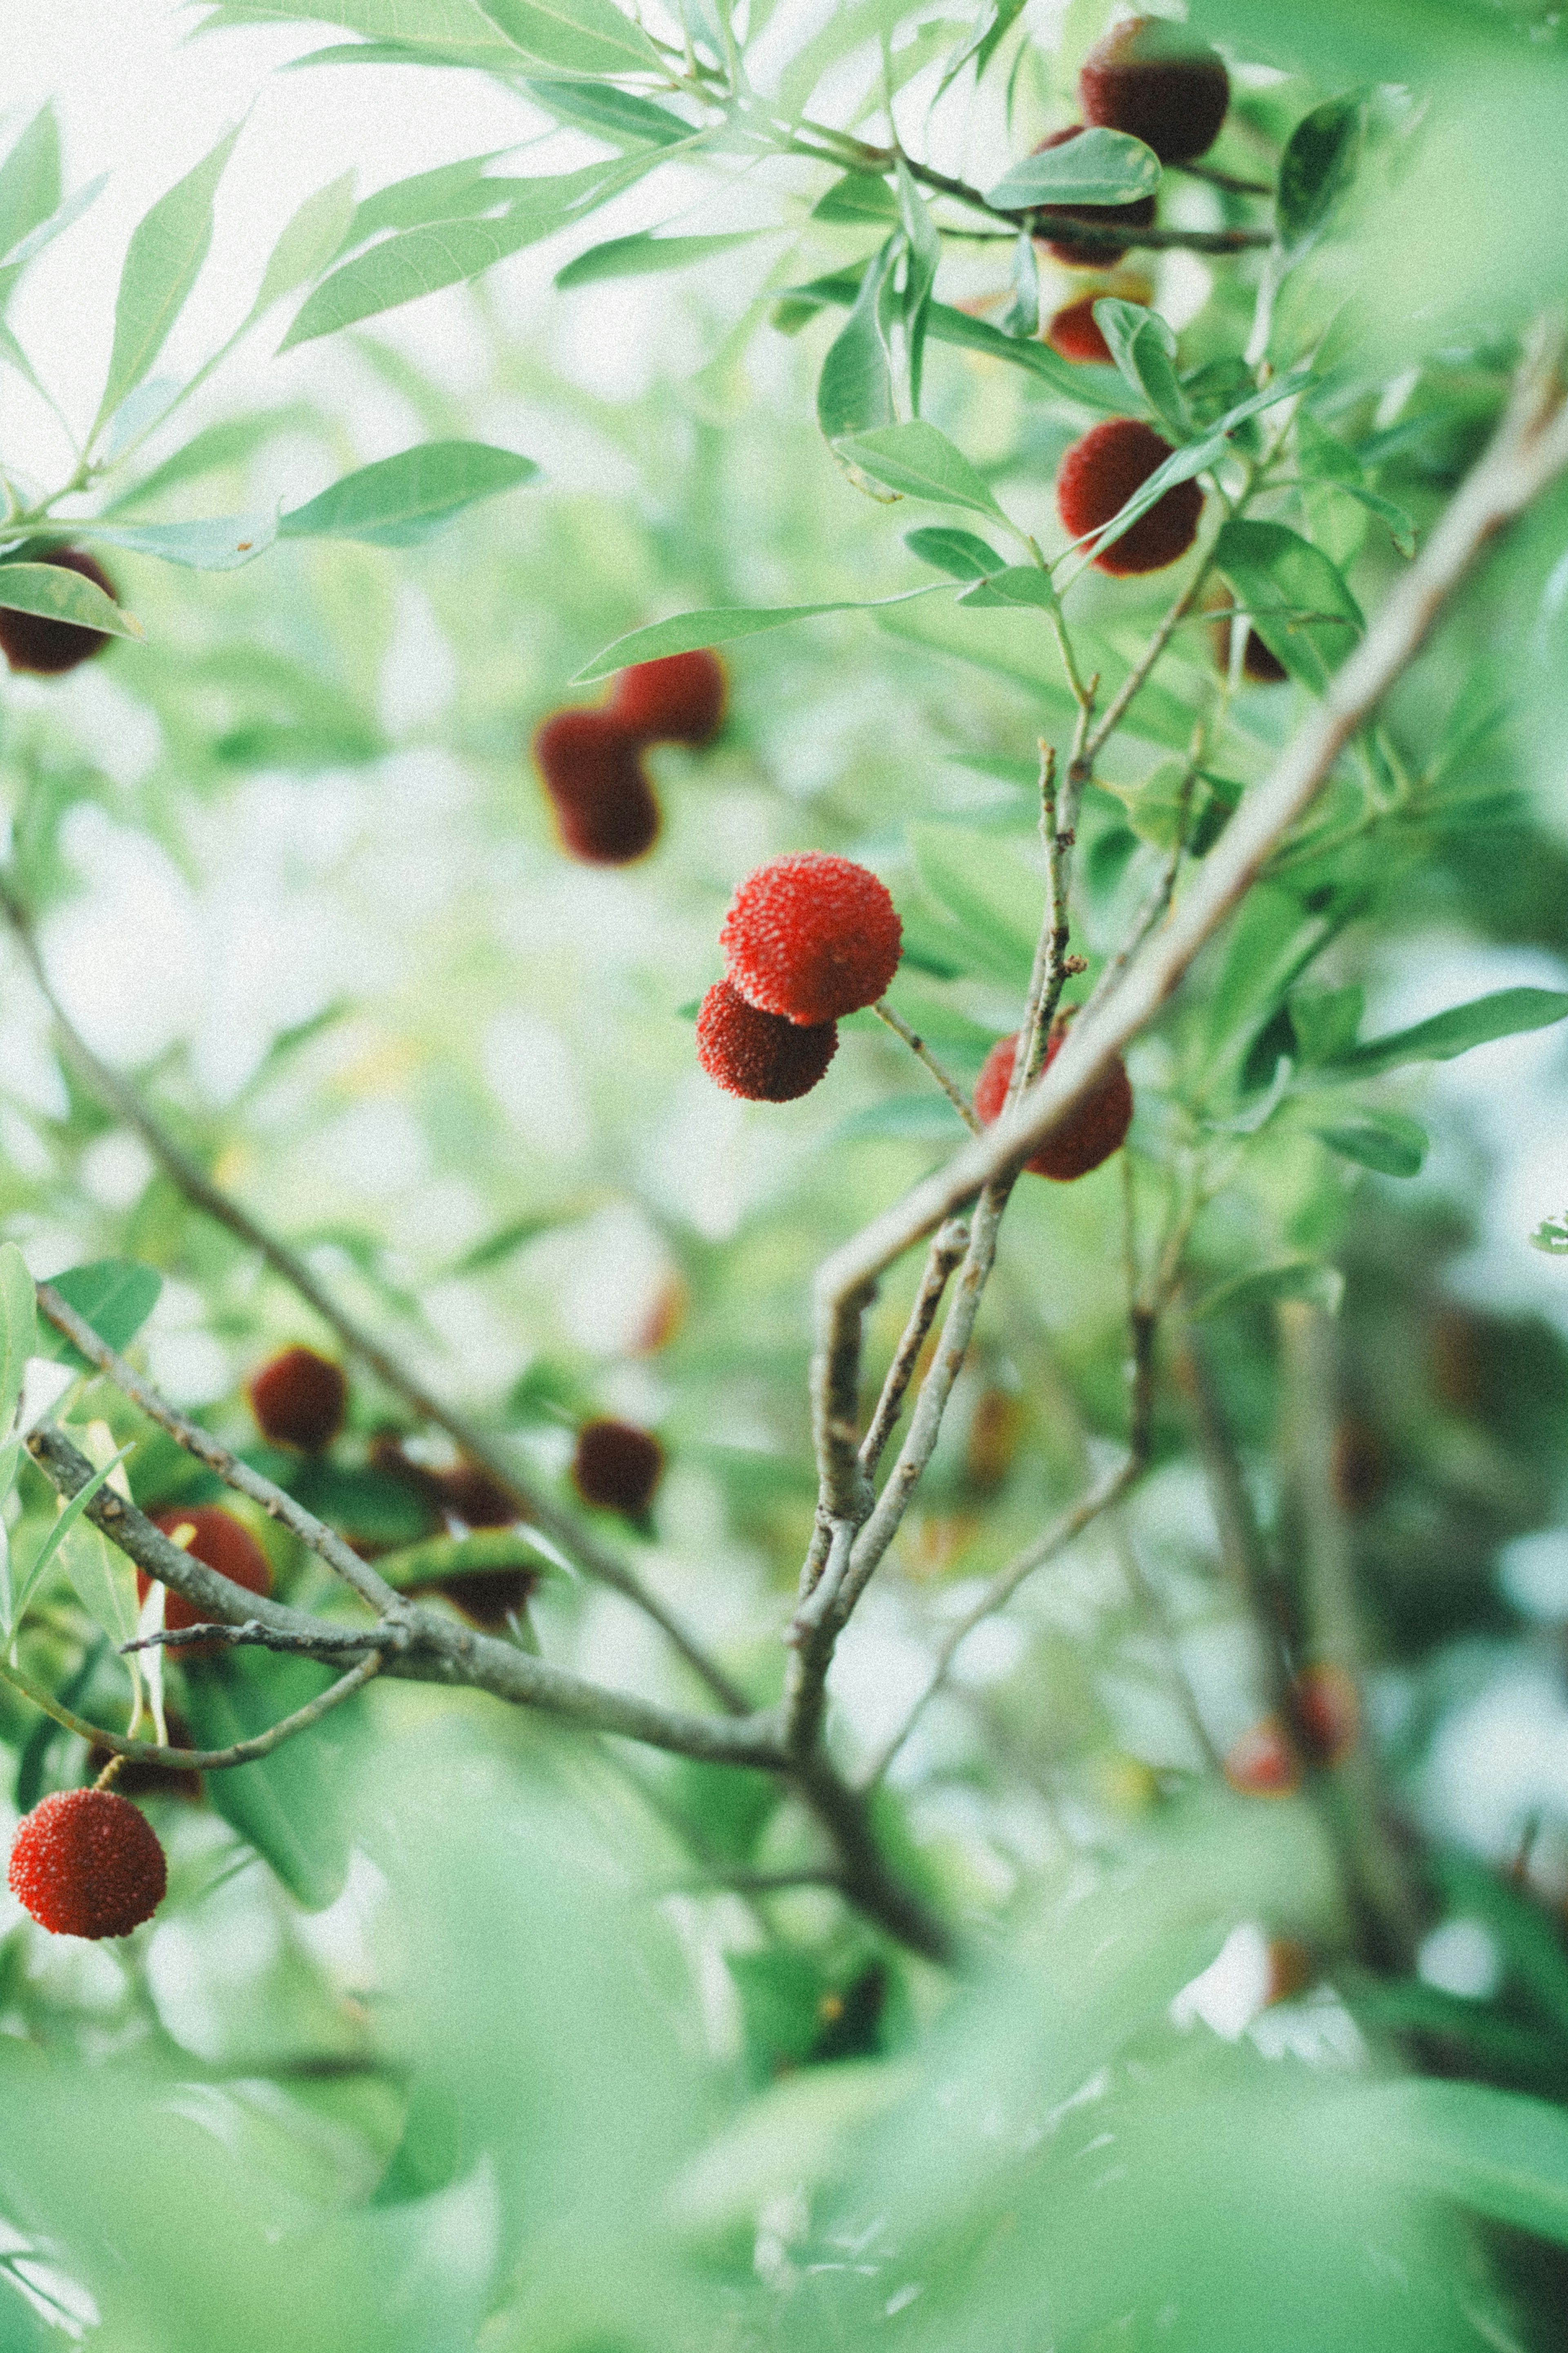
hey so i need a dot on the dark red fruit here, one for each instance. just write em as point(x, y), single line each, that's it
point(592, 769)
point(759, 1056)
point(1257, 663)
point(298, 1400)
point(679, 700)
point(471, 1495)
point(1155, 79)
point(224, 1544)
point(1328, 1711)
point(87, 1864)
point(813, 937)
point(1074, 335)
point(1096, 1129)
point(31, 642)
point(486, 1597)
point(1263, 1764)
point(1089, 253)
point(1097, 477)
point(617, 1466)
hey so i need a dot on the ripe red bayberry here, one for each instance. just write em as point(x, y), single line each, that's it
point(471, 1495)
point(1155, 79)
point(1097, 477)
point(88, 1863)
point(679, 700)
point(1097, 1129)
point(759, 1056)
point(31, 641)
point(1263, 1763)
point(617, 1466)
point(1073, 335)
point(1089, 253)
point(813, 937)
point(224, 1544)
point(1327, 1710)
point(298, 1400)
point(591, 766)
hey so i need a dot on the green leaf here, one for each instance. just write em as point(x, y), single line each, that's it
point(1505, 1013)
point(65, 217)
point(1297, 600)
point(1003, 17)
point(1022, 316)
point(1499, 2153)
point(643, 255)
point(855, 389)
point(1325, 1022)
point(285, 1804)
point(857, 198)
point(1018, 584)
point(30, 180)
point(588, 37)
point(1272, 942)
point(722, 624)
point(94, 1567)
point(997, 902)
point(450, 192)
point(1322, 1286)
point(919, 462)
point(925, 1118)
point(403, 501)
point(924, 247)
point(62, 594)
point(223, 544)
point(1400, 525)
point(1317, 167)
point(960, 552)
point(115, 1295)
point(315, 233)
point(1384, 1141)
point(609, 112)
point(18, 1329)
point(216, 449)
point(162, 261)
point(1181, 465)
point(504, 1244)
point(1144, 349)
point(1097, 167)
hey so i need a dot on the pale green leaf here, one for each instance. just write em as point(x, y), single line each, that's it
point(64, 217)
point(645, 254)
point(1018, 584)
point(30, 180)
point(18, 1329)
point(609, 112)
point(854, 388)
point(720, 625)
point(222, 544)
point(403, 501)
point(314, 234)
point(162, 261)
point(102, 1577)
point(1297, 600)
point(1144, 349)
point(60, 595)
point(919, 462)
point(961, 552)
point(115, 1295)
point(588, 37)
point(1320, 1286)
point(1099, 167)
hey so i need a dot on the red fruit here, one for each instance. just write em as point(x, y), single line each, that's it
point(617, 1465)
point(298, 1400)
point(1087, 253)
point(1263, 1764)
point(31, 641)
point(486, 1599)
point(812, 937)
point(224, 1544)
point(1074, 335)
point(88, 1863)
point(1327, 1712)
point(1153, 79)
point(1097, 477)
point(759, 1056)
point(679, 700)
point(471, 1495)
point(1095, 1130)
point(1257, 663)
point(592, 769)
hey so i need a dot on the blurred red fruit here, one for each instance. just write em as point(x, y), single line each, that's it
point(298, 1400)
point(1327, 1710)
point(1263, 1763)
point(679, 700)
point(592, 769)
point(223, 1544)
point(1097, 477)
point(1073, 335)
point(617, 1466)
point(1093, 1132)
point(1156, 80)
point(31, 642)
point(1087, 253)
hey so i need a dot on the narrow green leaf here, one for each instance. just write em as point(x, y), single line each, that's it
point(1099, 167)
point(223, 544)
point(645, 254)
point(997, 902)
point(162, 261)
point(1003, 17)
point(1317, 167)
point(924, 247)
point(11, 1452)
point(588, 37)
point(12, 356)
point(857, 198)
point(1019, 584)
point(1299, 602)
point(1144, 349)
point(1325, 1022)
point(60, 595)
point(1384, 1141)
point(510, 1239)
point(216, 449)
point(496, 56)
point(1505, 1013)
point(1501, 2153)
point(1400, 526)
point(30, 180)
point(286, 1804)
point(609, 112)
point(722, 624)
point(1181, 465)
point(960, 552)
point(315, 233)
point(919, 462)
point(451, 192)
point(855, 389)
point(64, 217)
point(402, 501)
point(115, 1295)
point(85, 1567)
point(1322, 1286)
point(18, 1329)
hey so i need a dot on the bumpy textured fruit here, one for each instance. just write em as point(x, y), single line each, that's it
point(224, 1544)
point(617, 1466)
point(592, 769)
point(88, 1863)
point(1327, 1710)
point(1087, 253)
point(1157, 80)
point(759, 1056)
point(31, 642)
point(298, 1400)
point(1096, 1129)
point(1097, 477)
point(1263, 1763)
point(679, 700)
point(813, 937)
point(1073, 335)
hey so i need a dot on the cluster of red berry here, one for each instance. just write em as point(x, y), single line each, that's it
point(590, 760)
point(807, 939)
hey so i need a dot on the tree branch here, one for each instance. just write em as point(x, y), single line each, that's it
point(197, 1760)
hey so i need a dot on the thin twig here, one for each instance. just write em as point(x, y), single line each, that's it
point(197, 1760)
point(947, 1249)
point(918, 1047)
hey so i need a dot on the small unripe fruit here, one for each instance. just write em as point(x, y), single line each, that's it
point(1097, 477)
point(86, 1862)
point(224, 1544)
point(592, 769)
point(617, 1466)
point(1073, 333)
point(761, 1057)
point(812, 937)
point(1092, 1133)
point(1089, 253)
point(1156, 80)
point(1263, 1763)
point(298, 1400)
point(679, 700)
point(1328, 1711)
point(31, 641)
